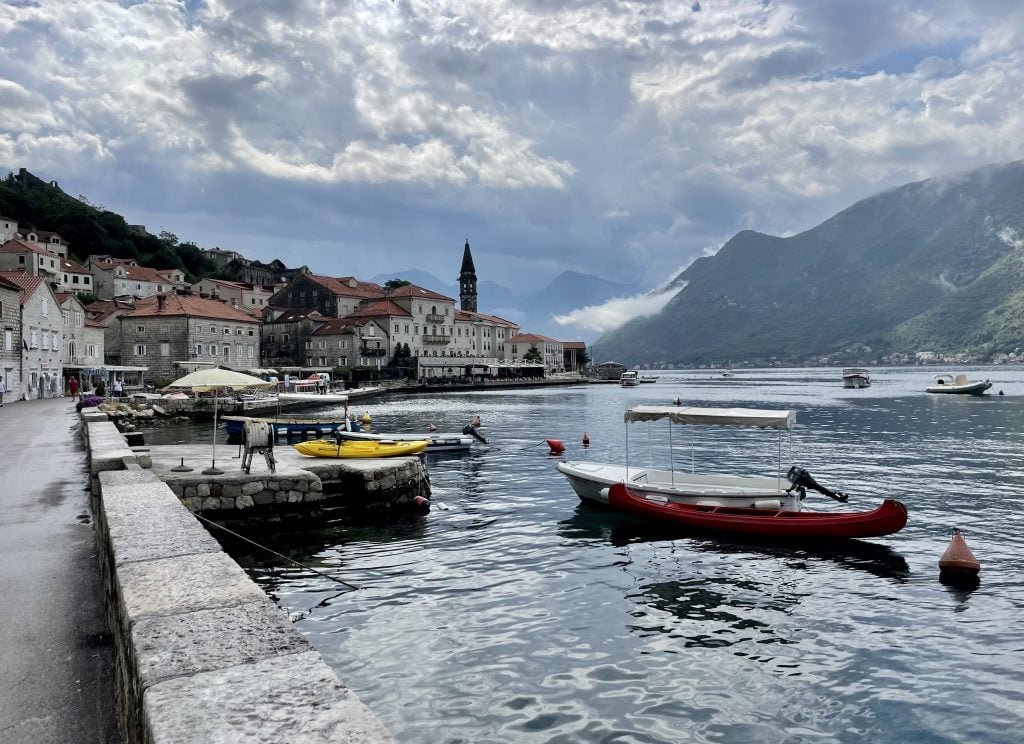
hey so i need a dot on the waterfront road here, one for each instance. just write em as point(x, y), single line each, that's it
point(56, 677)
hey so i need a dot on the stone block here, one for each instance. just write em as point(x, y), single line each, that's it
point(244, 502)
point(203, 489)
point(291, 698)
point(263, 497)
point(231, 490)
point(248, 489)
point(210, 503)
point(227, 502)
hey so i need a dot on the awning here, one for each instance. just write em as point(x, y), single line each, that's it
point(765, 419)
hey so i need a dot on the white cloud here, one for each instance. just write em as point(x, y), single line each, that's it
point(613, 313)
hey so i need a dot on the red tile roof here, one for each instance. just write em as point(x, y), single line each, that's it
point(522, 338)
point(189, 305)
point(73, 267)
point(467, 315)
point(335, 327)
point(8, 284)
point(19, 246)
point(28, 284)
point(411, 290)
point(342, 286)
point(574, 345)
point(379, 309)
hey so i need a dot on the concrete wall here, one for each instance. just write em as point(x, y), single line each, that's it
point(201, 654)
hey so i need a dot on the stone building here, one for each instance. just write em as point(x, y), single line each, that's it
point(105, 314)
point(252, 297)
point(517, 347)
point(170, 330)
point(284, 333)
point(10, 335)
point(121, 277)
point(42, 337)
point(20, 255)
point(331, 297)
point(74, 277)
point(83, 336)
point(340, 342)
point(8, 229)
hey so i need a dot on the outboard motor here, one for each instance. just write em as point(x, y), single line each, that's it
point(471, 431)
point(802, 480)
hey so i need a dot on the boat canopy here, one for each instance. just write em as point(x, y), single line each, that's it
point(714, 416)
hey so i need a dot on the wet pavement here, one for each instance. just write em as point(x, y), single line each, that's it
point(56, 674)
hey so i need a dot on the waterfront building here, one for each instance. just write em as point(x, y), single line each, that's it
point(122, 277)
point(551, 351)
point(345, 342)
point(574, 353)
point(331, 297)
point(10, 340)
point(105, 313)
point(284, 333)
point(170, 330)
point(83, 336)
point(20, 255)
point(41, 337)
point(252, 297)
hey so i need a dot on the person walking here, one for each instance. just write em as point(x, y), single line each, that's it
point(73, 388)
point(117, 388)
point(3, 390)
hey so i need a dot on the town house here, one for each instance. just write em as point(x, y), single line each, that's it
point(19, 255)
point(253, 297)
point(551, 350)
point(83, 336)
point(105, 314)
point(41, 338)
point(10, 341)
point(331, 297)
point(120, 277)
point(73, 277)
point(344, 342)
point(169, 331)
point(284, 334)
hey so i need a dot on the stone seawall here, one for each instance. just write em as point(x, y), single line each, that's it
point(201, 654)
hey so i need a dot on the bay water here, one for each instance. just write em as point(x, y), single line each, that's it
point(515, 613)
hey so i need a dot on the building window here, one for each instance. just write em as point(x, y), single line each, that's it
point(165, 328)
point(74, 278)
point(227, 352)
point(46, 308)
point(251, 332)
point(85, 279)
point(251, 352)
point(140, 350)
point(46, 341)
point(56, 342)
point(199, 350)
point(140, 329)
point(90, 351)
point(72, 350)
point(67, 317)
point(8, 340)
point(165, 348)
point(78, 319)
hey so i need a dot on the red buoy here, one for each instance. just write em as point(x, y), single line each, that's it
point(556, 445)
point(586, 439)
point(958, 561)
point(422, 504)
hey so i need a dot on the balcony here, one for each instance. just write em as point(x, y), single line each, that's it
point(435, 318)
point(437, 340)
point(368, 351)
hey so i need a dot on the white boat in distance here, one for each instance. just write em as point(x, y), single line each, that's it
point(856, 377)
point(591, 480)
point(958, 385)
point(648, 378)
point(629, 378)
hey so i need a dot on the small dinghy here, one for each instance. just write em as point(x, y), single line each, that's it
point(353, 449)
point(888, 518)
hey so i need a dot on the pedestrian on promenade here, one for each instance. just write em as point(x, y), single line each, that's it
point(117, 387)
point(73, 388)
point(3, 389)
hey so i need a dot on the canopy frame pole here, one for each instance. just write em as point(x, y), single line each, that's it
point(778, 470)
point(692, 465)
point(213, 469)
point(671, 453)
point(627, 451)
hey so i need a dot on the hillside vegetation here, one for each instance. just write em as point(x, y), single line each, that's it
point(936, 265)
point(90, 230)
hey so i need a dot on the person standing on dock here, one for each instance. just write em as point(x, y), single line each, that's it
point(117, 388)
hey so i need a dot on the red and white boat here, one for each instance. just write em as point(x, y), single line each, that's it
point(888, 518)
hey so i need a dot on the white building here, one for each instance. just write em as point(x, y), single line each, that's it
point(42, 338)
point(252, 297)
point(19, 255)
point(550, 350)
point(120, 277)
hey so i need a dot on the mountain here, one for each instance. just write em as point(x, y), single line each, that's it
point(935, 265)
point(532, 310)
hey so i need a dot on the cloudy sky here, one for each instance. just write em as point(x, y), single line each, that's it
point(619, 138)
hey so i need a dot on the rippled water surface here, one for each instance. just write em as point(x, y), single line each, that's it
point(518, 614)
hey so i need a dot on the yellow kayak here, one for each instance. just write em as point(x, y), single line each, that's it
point(353, 448)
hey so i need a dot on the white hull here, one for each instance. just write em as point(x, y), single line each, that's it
point(974, 388)
point(591, 480)
point(856, 378)
point(312, 397)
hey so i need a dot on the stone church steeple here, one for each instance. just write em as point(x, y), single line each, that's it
point(467, 281)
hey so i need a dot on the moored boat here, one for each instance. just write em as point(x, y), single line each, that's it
point(312, 397)
point(353, 449)
point(438, 441)
point(629, 378)
point(591, 480)
point(958, 385)
point(856, 377)
point(888, 518)
point(648, 378)
point(285, 426)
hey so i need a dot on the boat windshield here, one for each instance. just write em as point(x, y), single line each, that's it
point(761, 418)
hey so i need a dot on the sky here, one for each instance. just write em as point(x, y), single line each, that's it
point(617, 138)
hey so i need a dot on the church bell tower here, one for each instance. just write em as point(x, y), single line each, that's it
point(467, 281)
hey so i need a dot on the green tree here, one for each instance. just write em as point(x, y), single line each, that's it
point(396, 283)
point(533, 356)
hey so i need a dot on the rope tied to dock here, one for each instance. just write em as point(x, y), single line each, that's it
point(203, 519)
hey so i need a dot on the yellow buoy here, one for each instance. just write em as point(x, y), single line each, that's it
point(366, 420)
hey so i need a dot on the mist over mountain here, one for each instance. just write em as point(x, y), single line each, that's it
point(935, 265)
point(532, 310)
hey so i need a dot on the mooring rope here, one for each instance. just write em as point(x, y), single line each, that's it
point(274, 552)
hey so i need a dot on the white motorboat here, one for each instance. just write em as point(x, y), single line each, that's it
point(856, 377)
point(648, 378)
point(591, 480)
point(439, 442)
point(958, 385)
point(629, 378)
point(312, 397)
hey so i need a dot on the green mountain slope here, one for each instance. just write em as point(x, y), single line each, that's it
point(90, 230)
point(933, 265)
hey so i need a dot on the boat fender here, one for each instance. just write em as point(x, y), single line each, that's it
point(366, 420)
point(603, 493)
point(556, 445)
point(422, 504)
point(772, 504)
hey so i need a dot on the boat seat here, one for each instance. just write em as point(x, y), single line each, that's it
point(960, 380)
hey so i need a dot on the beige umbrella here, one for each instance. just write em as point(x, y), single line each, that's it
point(215, 380)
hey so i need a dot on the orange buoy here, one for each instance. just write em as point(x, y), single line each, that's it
point(586, 439)
point(476, 421)
point(958, 560)
point(557, 446)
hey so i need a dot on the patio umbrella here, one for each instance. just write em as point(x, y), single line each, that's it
point(215, 380)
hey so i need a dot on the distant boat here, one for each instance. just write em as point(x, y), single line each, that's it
point(648, 378)
point(629, 378)
point(727, 374)
point(856, 377)
point(958, 385)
